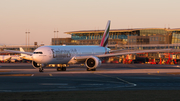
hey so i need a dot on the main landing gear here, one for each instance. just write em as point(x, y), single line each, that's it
point(91, 69)
point(61, 67)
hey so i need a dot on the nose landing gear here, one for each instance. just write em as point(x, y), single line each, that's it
point(40, 69)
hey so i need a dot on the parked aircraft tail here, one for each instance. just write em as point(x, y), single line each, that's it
point(22, 50)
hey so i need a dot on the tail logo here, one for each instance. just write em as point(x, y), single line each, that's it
point(104, 41)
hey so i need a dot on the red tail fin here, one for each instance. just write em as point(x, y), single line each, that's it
point(104, 41)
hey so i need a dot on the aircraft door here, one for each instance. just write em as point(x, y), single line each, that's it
point(54, 53)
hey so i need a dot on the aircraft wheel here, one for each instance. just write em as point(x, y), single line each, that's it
point(63, 68)
point(91, 69)
point(88, 69)
point(59, 68)
point(40, 69)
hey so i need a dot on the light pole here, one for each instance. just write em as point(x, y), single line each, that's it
point(168, 35)
point(57, 33)
point(54, 37)
point(55, 40)
point(57, 37)
point(27, 40)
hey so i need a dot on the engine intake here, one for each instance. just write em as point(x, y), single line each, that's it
point(35, 64)
point(92, 62)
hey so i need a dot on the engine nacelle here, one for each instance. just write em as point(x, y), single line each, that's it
point(35, 64)
point(92, 62)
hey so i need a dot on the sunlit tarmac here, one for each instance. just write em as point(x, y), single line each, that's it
point(21, 77)
point(104, 68)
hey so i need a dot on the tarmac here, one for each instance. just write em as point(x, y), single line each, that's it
point(22, 77)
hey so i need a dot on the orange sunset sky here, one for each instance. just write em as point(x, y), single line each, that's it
point(41, 17)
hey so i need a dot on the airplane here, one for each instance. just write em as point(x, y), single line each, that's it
point(10, 58)
point(5, 58)
point(25, 56)
point(15, 58)
point(64, 55)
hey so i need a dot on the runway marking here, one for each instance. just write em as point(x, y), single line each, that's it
point(68, 87)
point(15, 74)
point(93, 84)
point(118, 79)
point(146, 77)
point(5, 71)
point(174, 73)
point(50, 75)
point(54, 84)
point(156, 74)
point(85, 80)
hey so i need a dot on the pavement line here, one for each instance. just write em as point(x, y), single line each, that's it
point(126, 81)
point(5, 71)
point(174, 73)
point(15, 74)
point(147, 78)
point(94, 80)
point(67, 87)
point(118, 79)
point(54, 84)
point(93, 84)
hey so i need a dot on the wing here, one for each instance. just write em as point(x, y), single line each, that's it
point(12, 51)
point(122, 53)
point(133, 52)
point(119, 50)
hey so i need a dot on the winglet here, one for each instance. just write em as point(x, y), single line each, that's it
point(104, 41)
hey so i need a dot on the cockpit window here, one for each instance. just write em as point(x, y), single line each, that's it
point(38, 53)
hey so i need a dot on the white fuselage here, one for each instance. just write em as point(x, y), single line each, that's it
point(63, 54)
point(5, 57)
point(15, 57)
point(11, 58)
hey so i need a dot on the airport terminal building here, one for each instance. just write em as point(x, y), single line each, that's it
point(131, 39)
point(124, 38)
point(140, 38)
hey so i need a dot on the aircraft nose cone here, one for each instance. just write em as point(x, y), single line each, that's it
point(36, 58)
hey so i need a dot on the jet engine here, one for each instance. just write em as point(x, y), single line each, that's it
point(35, 64)
point(92, 62)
